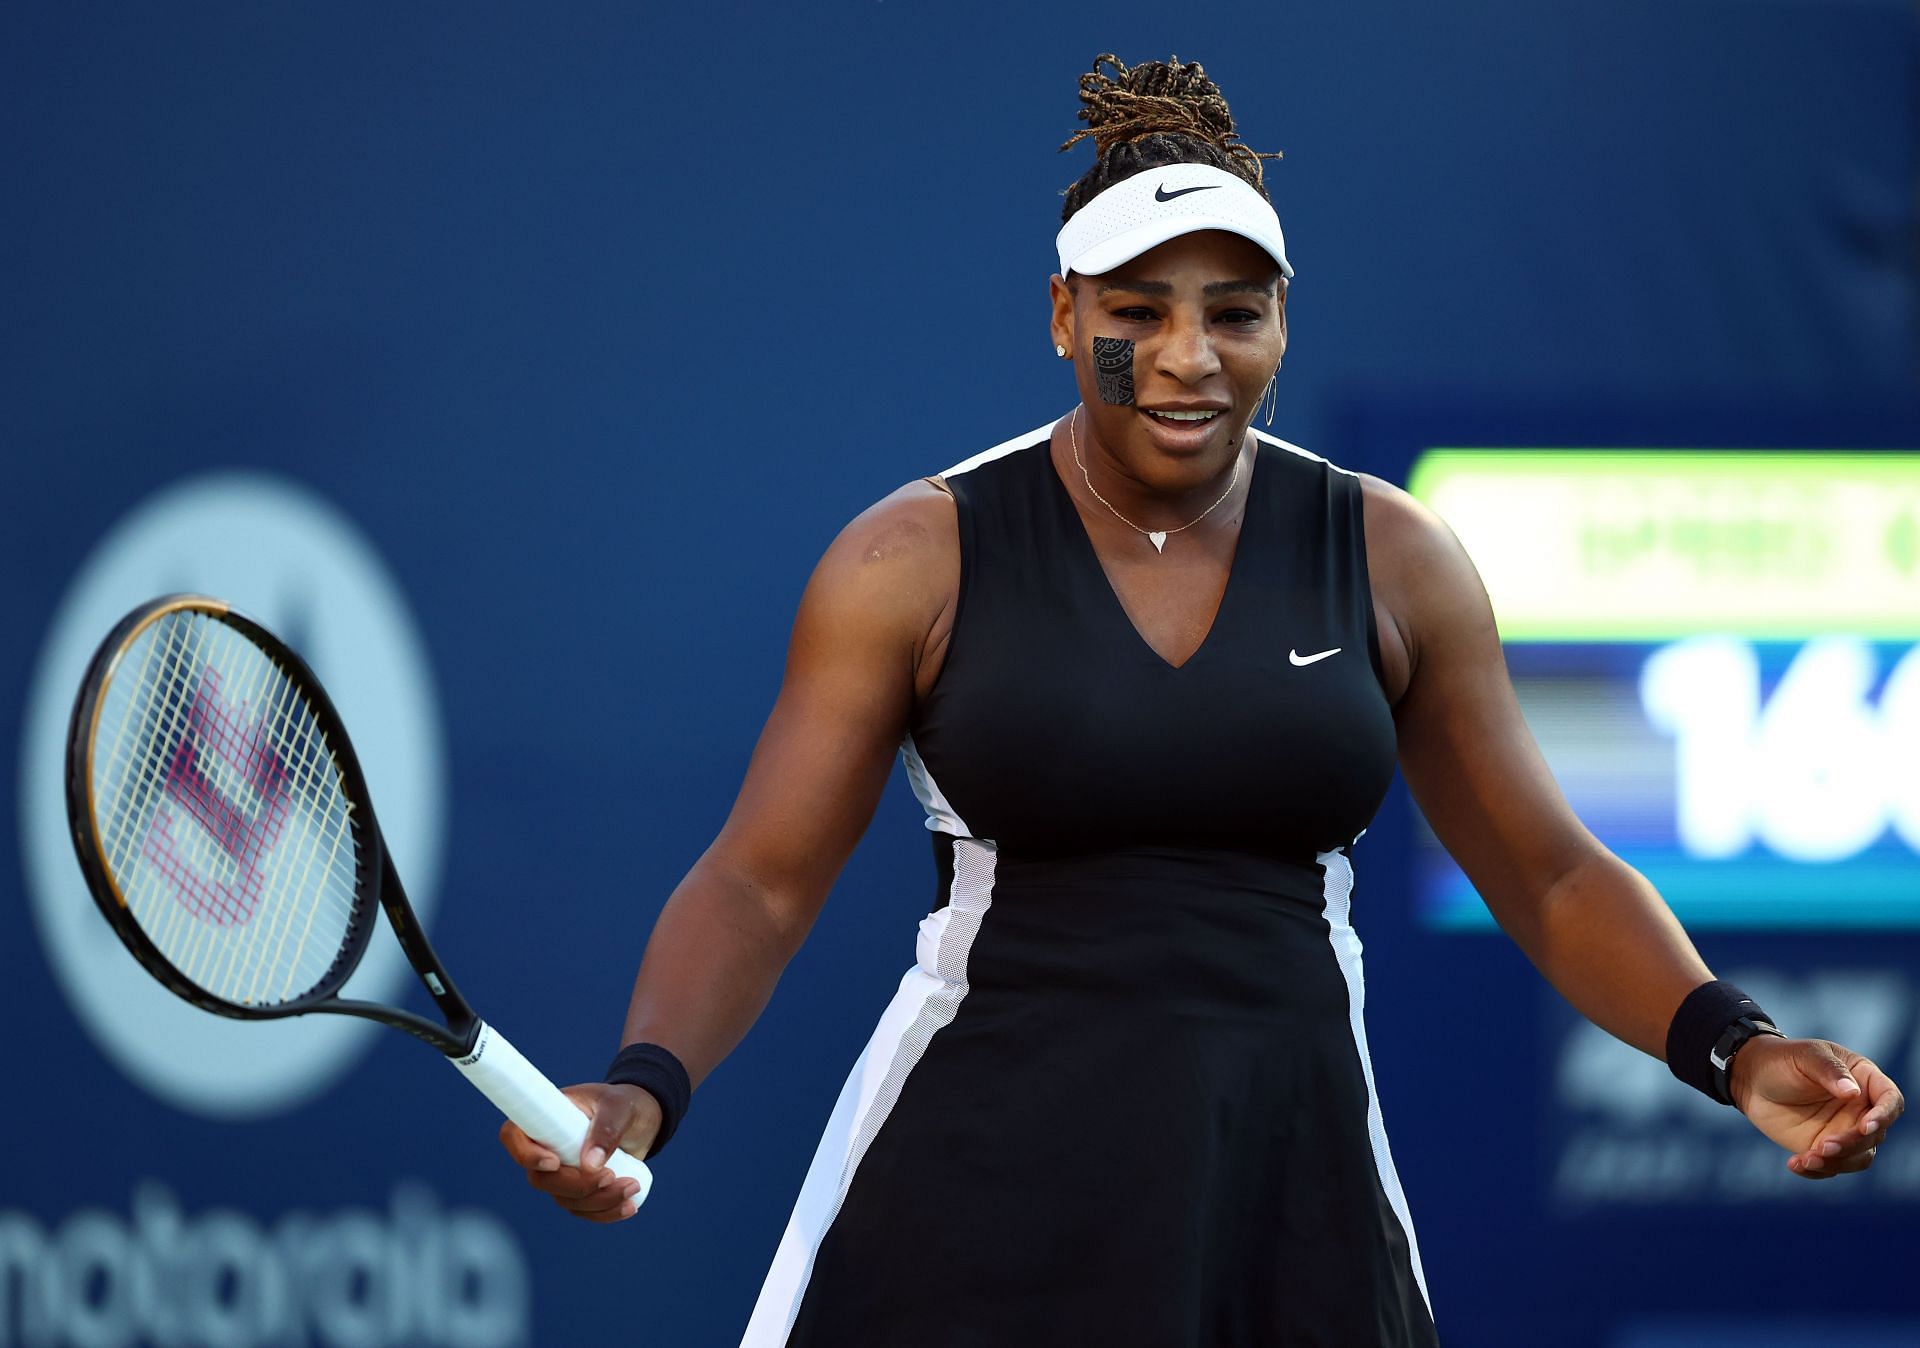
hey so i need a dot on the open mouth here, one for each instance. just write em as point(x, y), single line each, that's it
point(1207, 415)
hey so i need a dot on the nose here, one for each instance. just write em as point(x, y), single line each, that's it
point(1186, 351)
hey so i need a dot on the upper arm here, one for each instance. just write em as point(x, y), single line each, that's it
point(1465, 749)
point(825, 753)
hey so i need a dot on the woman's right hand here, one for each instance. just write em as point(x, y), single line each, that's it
point(620, 1116)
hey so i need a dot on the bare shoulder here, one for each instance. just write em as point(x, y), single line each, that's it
point(916, 522)
point(1412, 554)
point(892, 574)
point(1425, 588)
point(907, 540)
point(1399, 527)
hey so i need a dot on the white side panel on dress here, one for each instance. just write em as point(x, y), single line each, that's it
point(929, 996)
point(926, 1001)
point(1346, 948)
point(940, 815)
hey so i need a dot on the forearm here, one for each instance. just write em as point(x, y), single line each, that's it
point(715, 955)
point(1607, 941)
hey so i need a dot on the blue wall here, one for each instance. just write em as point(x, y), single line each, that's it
point(593, 323)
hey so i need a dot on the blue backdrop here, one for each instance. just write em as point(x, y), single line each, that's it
point(556, 343)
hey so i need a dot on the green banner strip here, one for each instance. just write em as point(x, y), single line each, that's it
point(1650, 545)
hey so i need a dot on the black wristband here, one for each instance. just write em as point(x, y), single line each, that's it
point(1712, 1023)
point(657, 1072)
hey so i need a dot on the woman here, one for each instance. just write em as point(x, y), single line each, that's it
point(1149, 671)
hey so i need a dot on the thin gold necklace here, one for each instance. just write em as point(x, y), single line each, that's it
point(1157, 537)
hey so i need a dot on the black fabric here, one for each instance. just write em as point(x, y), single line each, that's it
point(942, 870)
point(1146, 1125)
point(1704, 1015)
point(658, 1072)
point(1054, 727)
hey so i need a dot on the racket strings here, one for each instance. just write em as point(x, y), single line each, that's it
point(232, 789)
point(179, 855)
point(220, 959)
point(243, 747)
point(157, 721)
point(148, 831)
point(221, 812)
point(272, 891)
point(313, 772)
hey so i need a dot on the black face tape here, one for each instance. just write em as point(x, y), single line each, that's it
point(1113, 370)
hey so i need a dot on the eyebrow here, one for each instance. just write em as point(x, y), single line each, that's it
point(1137, 287)
point(1218, 288)
point(1212, 290)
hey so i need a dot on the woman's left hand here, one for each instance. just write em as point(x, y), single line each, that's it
point(1826, 1104)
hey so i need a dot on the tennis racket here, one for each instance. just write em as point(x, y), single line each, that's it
point(225, 830)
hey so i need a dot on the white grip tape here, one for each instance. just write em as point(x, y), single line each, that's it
point(522, 1092)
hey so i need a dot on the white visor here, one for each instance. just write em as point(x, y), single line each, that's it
point(1160, 204)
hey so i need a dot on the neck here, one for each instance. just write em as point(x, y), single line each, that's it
point(1136, 502)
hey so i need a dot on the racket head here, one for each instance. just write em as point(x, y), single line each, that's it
point(219, 813)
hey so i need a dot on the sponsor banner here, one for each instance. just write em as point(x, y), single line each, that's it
point(1717, 653)
point(1758, 785)
point(1652, 544)
point(162, 1273)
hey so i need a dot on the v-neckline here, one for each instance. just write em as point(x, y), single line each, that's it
point(1091, 555)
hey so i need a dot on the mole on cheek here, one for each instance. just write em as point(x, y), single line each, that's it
point(1113, 370)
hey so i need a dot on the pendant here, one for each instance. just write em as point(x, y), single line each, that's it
point(1159, 541)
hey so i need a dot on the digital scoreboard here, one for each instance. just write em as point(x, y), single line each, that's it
point(1719, 653)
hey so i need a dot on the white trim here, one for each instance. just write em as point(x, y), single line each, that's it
point(940, 814)
point(929, 996)
point(1338, 895)
point(1292, 448)
point(1004, 448)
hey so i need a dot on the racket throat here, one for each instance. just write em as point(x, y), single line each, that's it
point(463, 1026)
point(456, 1040)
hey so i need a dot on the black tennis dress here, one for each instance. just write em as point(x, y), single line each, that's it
point(1122, 1098)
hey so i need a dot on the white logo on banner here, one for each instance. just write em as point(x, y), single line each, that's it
point(1627, 1132)
point(416, 1274)
point(1818, 771)
point(284, 556)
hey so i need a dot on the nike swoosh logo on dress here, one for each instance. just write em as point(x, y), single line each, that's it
point(1300, 659)
point(1162, 194)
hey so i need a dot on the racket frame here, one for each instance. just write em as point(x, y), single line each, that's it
point(376, 883)
point(476, 1050)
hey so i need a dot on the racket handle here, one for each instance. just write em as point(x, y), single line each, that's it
point(522, 1092)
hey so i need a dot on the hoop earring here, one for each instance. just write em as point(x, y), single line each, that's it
point(1270, 400)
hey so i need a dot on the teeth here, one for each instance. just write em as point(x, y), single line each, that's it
point(1186, 416)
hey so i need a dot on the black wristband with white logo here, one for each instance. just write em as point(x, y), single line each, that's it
point(1707, 1031)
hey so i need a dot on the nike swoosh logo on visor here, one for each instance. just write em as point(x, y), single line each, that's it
point(1300, 659)
point(1162, 194)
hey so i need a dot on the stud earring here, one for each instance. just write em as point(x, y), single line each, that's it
point(1060, 351)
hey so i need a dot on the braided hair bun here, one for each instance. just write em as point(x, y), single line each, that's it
point(1151, 115)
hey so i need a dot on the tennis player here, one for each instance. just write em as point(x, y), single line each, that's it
point(1150, 671)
